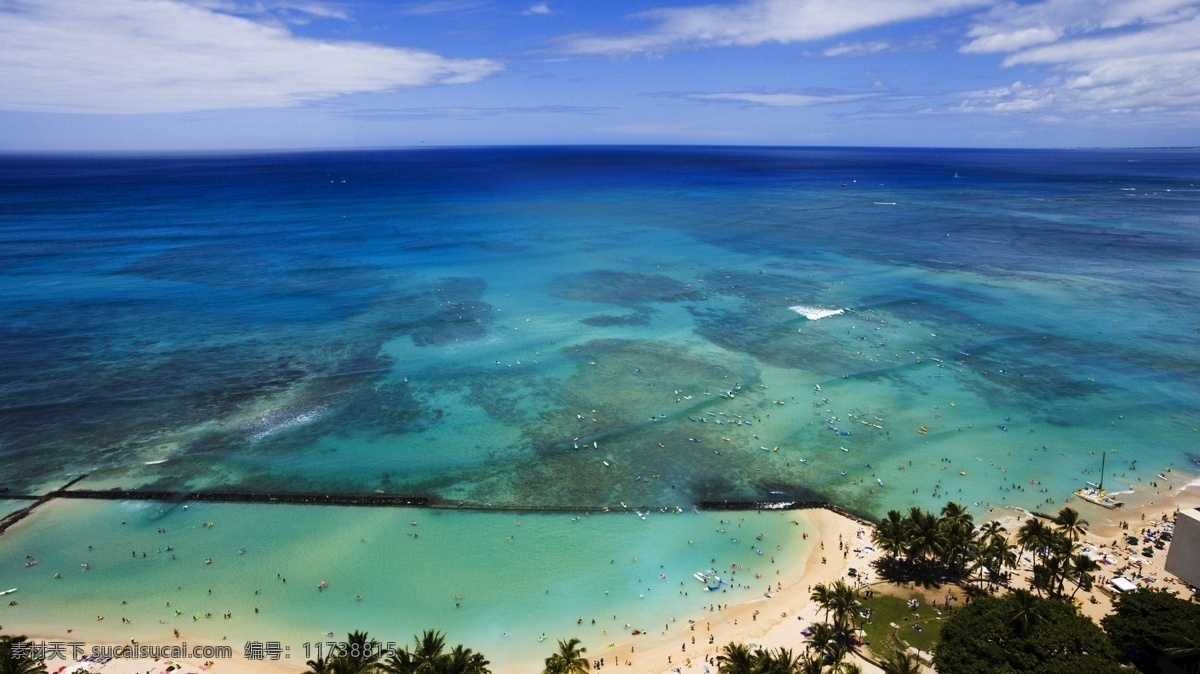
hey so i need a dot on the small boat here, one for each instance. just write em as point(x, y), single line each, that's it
point(32, 562)
point(1094, 493)
point(8, 592)
point(606, 464)
point(922, 430)
point(879, 481)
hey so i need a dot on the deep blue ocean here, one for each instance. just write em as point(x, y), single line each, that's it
point(582, 326)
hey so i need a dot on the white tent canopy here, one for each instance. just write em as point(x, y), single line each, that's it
point(1123, 584)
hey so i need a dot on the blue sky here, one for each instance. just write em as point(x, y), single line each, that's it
point(275, 74)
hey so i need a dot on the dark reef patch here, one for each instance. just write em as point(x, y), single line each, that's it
point(619, 287)
point(641, 316)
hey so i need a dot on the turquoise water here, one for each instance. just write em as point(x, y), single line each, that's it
point(11, 505)
point(570, 327)
point(477, 576)
point(436, 323)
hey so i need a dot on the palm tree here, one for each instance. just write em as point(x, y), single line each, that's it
point(1033, 535)
point(925, 535)
point(1070, 523)
point(782, 661)
point(462, 660)
point(960, 541)
point(1081, 569)
point(322, 665)
point(426, 656)
point(1025, 610)
point(955, 512)
point(361, 655)
point(847, 667)
point(843, 599)
point(900, 662)
point(736, 659)
point(822, 597)
point(569, 658)
point(823, 635)
point(993, 557)
point(1057, 562)
point(812, 665)
point(19, 656)
point(890, 534)
point(992, 528)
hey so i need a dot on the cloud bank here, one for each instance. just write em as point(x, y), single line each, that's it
point(1107, 56)
point(755, 22)
point(163, 56)
point(777, 100)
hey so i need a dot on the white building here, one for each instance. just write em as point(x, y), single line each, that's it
point(1184, 558)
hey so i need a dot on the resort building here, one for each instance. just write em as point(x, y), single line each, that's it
point(1183, 560)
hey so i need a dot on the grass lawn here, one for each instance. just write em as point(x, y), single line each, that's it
point(893, 608)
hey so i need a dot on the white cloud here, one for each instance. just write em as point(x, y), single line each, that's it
point(778, 99)
point(291, 11)
point(754, 22)
point(1011, 40)
point(857, 49)
point(442, 7)
point(1011, 26)
point(145, 56)
point(542, 8)
point(1135, 57)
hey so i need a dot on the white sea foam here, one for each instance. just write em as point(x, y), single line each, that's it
point(273, 423)
point(816, 313)
point(154, 463)
point(1193, 483)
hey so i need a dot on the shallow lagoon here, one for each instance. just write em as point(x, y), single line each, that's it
point(475, 575)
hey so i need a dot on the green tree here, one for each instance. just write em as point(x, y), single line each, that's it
point(961, 545)
point(900, 662)
point(891, 534)
point(1146, 624)
point(569, 659)
point(839, 601)
point(812, 665)
point(823, 641)
point(926, 535)
point(1033, 535)
point(736, 659)
point(1024, 610)
point(1021, 633)
point(428, 655)
point(19, 656)
point(1070, 523)
point(462, 660)
point(321, 665)
point(1082, 572)
point(361, 655)
point(992, 557)
point(784, 661)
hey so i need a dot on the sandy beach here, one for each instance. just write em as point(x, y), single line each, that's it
point(780, 607)
point(772, 621)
